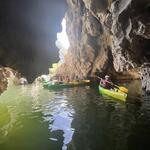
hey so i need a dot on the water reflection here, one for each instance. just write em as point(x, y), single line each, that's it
point(16, 105)
point(5, 119)
point(60, 115)
point(35, 96)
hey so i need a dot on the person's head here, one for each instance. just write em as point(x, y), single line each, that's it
point(106, 77)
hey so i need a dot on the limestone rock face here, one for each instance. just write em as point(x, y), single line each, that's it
point(107, 36)
point(145, 77)
point(6, 75)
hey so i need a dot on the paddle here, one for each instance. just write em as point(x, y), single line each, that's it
point(121, 88)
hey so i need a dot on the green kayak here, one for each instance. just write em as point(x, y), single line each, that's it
point(117, 95)
point(50, 86)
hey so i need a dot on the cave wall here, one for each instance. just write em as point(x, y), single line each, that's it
point(27, 34)
point(107, 36)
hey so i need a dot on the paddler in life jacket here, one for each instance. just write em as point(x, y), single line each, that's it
point(105, 83)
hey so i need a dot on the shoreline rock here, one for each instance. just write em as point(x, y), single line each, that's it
point(6, 75)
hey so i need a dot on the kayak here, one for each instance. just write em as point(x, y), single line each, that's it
point(112, 93)
point(50, 86)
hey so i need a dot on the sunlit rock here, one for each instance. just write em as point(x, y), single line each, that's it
point(8, 76)
point(42, 78)
point(23, 81)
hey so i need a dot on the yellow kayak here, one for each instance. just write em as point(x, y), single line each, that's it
point(80, 82)
point(112, 93)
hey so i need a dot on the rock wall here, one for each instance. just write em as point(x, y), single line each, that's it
point(107, 36)
point(145, 77)
point(6, 75)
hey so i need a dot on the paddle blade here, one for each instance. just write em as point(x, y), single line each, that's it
point(123, 89)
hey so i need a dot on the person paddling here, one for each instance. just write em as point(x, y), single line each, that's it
point(105, 83)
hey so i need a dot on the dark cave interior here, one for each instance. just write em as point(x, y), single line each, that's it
point(28, 34)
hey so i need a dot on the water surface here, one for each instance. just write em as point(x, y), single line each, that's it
point(72, 119)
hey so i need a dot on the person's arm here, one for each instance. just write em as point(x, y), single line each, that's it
point(101, 81)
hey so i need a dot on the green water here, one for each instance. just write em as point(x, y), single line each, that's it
point(32, 118)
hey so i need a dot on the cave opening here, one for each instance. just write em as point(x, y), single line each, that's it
point(62, 41)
